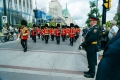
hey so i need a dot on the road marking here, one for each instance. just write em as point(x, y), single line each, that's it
point(42, 69)
point(63, 52)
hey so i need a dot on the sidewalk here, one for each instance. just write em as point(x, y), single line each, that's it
point(61, 66)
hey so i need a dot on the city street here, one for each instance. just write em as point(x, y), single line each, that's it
point(42, 61)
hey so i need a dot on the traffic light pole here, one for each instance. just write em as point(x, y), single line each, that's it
point(4, 5)
point(104, 14)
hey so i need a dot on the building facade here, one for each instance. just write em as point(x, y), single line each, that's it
point(17, 10)
point(67, 17)
point(119, 7)
point(55, 8)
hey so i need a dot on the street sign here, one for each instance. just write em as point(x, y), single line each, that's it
point(4, 19)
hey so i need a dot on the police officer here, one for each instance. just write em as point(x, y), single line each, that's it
point(90, 46)
point(24, 32)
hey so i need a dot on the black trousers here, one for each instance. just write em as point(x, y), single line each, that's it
point(63, 38)
point(43, 37)
point(46, 38)
point(52, 37)
point(24, 44)
point(91, 58)
point(39, 36)
point(58, 39)
point(71, 41)
point(34, 38)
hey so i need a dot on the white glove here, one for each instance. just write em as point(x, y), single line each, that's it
point(18, 38)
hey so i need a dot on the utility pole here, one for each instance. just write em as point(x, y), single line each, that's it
point(104, 14)
point(4, 6)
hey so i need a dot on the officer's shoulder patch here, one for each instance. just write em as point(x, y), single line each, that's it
point(95, 30)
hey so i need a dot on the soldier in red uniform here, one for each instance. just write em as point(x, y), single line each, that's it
point(77, 32)
point(42, 33)
point(34, 33)
point(58, 32)
point(72, 33)
point(24, 32)
point(67, 32)
point(52, 33)
point(63, 33)
point(38, 31)
point(46, 33)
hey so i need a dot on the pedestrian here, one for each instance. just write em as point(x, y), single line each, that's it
point(11, 30)
point(24, 32)
point(90, 46)
point(114, 29)
point(109, 66)
point(17, 32)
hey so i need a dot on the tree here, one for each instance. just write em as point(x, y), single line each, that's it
point(93, 12)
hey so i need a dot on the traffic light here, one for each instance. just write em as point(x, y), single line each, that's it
point(107, 4)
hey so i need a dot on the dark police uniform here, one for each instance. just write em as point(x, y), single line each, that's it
point(90, 46)
point(109, 66)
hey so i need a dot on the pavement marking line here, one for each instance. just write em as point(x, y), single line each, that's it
point(62, 52)
point(42, 69)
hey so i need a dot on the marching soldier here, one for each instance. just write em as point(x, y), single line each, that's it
point(90, 46)
point(38, 31)
point(71, 34)
point(77, 32)
point(42, 33)
point(58, 32)
point(67, 32)
point(24, 32)
point(46, 33)
point(63, 34)
point(52, 32)
point(34, 33)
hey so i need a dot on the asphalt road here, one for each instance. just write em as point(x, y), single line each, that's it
point(41, 45)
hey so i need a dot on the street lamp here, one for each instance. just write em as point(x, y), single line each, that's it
point(4, 6)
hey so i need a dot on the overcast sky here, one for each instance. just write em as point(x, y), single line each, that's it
point(79, 8)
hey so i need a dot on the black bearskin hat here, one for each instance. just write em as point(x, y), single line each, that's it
point(71, 25)
point(46, 25)
point(58, 25)
point(34, 25)
point(24, 22)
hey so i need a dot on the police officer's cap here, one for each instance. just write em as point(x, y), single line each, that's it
point(93, 18)
point(24, 22)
